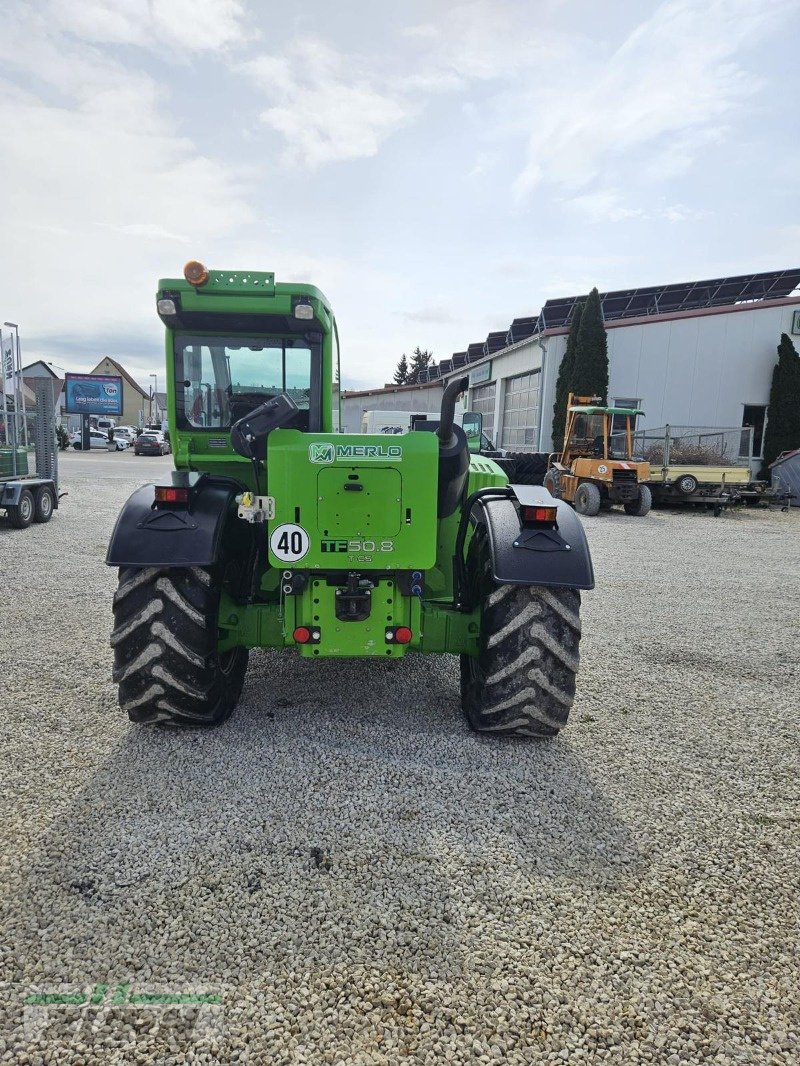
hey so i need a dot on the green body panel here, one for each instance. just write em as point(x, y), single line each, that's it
point(386, 530)
point(364, 501)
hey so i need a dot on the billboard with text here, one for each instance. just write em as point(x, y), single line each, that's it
point(92, 394)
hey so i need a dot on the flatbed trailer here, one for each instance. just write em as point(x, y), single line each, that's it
point(28, 499)
point(25, 497)
point(716, 487)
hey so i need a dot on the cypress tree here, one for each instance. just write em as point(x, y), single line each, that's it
point(563, 387)
point(590, 372)
point(782, 433)
point(401, 374)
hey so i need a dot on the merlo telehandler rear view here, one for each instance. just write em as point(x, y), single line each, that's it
point(276, 531)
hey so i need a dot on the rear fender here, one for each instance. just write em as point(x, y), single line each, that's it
point(557, 557)
point(145, 535)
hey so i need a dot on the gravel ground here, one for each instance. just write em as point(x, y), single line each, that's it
point(349, 876)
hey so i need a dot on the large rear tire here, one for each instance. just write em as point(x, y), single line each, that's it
point(522, 684)
point(165, 648)
point(529, 467)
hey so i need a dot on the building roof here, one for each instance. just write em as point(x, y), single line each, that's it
point(624, 307)
point(54, 371)
point(389, 388)
point(681, 296)
point(123, 373)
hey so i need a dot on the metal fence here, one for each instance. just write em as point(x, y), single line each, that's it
point(690, 445)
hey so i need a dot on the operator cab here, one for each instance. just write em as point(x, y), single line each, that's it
point(220, 379)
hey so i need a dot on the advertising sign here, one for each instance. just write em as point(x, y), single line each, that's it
point(8, 369)
point(92, 394)
point(480, 373)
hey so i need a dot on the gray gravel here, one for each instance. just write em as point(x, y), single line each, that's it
point(358, 879)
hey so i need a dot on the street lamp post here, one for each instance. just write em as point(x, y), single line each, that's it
point(18, 371)
point(153, 394)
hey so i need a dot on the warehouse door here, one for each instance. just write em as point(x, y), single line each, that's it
point(483, 399)
point(521, 413)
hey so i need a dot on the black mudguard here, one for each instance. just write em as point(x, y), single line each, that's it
point(145, 535)
point(533, 555)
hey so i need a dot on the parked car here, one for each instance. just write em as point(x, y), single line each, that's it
point(130, 432)
point(97, 439)
point(122, 441)
point(149, 444)
point(158, 435)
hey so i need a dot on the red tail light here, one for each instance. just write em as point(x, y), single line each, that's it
point(399, 635)
point(167, 494)
point(302, 635)
point(538, 514)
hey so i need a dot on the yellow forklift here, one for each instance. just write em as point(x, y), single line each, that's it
point(597, 469)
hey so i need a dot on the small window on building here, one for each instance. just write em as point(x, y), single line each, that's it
point(618, 422)
point(754, 416)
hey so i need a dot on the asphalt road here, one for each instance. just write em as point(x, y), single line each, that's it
point(106, 466)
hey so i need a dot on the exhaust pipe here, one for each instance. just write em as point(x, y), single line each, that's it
point(451, 394)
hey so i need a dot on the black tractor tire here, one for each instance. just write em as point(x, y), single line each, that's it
point(552, 482)
point(522, 683)
point(165, 648)
point(529, 467)
point(43, 505)
point(508, 466)
point(588, 499)
point(642, 506)
point(21, 514)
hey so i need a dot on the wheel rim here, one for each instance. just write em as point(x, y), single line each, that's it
point(45, 504)
point(25, 508)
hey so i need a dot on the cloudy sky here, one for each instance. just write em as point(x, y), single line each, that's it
point(436, 168)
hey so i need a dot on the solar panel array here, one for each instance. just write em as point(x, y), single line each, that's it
point(495, 342)
point(682, 296)
point(630, 303)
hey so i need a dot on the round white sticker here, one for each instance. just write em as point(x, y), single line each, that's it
point(289, 543)
point(602, 469)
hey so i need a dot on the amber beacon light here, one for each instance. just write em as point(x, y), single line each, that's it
point(195, 273)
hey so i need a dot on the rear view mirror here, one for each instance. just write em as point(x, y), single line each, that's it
point(472, 424)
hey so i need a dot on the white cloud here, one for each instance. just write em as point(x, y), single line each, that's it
point(432, 314)
point(191, 25)
point(97, 189)
point(327, 106)
point(330, 105)
point(605, 205)
point(676, 74)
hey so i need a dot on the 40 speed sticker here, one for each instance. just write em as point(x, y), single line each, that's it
point(289, 543)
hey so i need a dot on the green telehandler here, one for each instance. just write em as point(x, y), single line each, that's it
point(276, 531)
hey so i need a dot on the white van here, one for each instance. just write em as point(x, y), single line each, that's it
point(391, 422)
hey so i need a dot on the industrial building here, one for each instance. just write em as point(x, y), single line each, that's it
point(692, 354)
